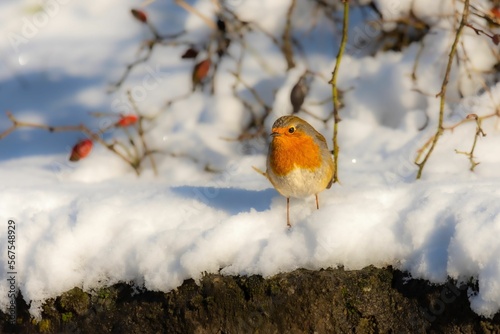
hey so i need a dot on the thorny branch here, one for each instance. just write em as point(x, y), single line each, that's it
point(479, 132)
point(442, 93)
point(228, 29)
point(134, 160)
point(469, 118)
point(149, 45)
point(494, 37)
point(140, 131)
point(136, 150)
point(335, 93)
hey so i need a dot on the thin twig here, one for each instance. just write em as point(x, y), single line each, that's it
point(149, 45)
point(335, 93)
point(254, 93)
point(196, 12)
point(287, 47)
point(479, 132)
point(140, 132)
point(254, 26)
point(304, 110)
point(129, 68)
point(452, 128)
point(417, 60)
point(442, 93)
point(479, 31)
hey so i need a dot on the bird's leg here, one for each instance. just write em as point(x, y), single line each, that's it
point(317, 201)
point(288, 212)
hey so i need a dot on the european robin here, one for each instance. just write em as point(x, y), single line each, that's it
point(299, 163)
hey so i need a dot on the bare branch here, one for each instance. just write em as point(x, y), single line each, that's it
point(335, 93)
point(442, 93)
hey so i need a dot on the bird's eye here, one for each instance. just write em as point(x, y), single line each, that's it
point(291, 129)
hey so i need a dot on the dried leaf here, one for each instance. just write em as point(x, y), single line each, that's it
point(200, 72)
point(190, 53)
point(221, 25)
point(139, 15)
point(298, 94)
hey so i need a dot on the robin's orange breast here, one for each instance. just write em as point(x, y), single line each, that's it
point(290, 152)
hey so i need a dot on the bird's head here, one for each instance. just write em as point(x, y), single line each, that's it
point(289, 127)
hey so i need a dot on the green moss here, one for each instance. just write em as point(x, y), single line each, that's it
point(105, 298)
point(67, 316)
point(104, 293)
point(44, 326)
point(75, 300)
point(49, 309)
point(274, 288)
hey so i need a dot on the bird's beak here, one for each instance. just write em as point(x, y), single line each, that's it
point(274, 133)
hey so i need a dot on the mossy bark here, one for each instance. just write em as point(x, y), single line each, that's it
point(327, 301)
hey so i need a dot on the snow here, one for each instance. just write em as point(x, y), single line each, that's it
point(95, 223)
